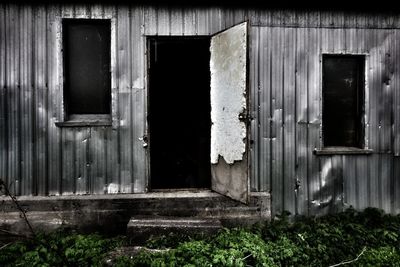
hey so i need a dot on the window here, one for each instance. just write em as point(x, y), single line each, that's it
point(87, 80)
point(343, 98)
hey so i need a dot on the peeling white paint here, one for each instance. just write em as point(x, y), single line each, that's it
point(112, 188)
point(228, 94)
point(137, 83)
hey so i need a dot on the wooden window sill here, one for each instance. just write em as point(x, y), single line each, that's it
point(86, 121)
point(342, 151)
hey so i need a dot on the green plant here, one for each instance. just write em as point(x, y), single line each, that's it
point(368, 238)
point(61, 248)
point(312, 241)
point(382, 256)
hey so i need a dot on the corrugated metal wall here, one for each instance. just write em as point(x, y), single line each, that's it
point(288, 78)
point(38, 158)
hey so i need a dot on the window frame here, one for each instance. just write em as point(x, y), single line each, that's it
point(344, 150)
point(86, 120)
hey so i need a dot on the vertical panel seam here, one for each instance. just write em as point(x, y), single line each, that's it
point(19, 175)
point(33, 83)
point(46, 190)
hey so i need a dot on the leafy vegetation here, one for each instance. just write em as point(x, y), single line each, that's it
point(372, 236)
point(59, 249)
point(368, 238)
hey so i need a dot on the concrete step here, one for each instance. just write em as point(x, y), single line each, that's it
point(139, 229)
point(110, 214)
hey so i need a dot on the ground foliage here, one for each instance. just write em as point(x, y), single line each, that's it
point(61, 248)
point(321, 241)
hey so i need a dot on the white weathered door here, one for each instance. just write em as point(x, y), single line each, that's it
point(228, 66)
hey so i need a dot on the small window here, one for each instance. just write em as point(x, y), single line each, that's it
point(87, 80)
point(343, 100)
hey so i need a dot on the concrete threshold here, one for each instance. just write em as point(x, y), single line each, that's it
point(139, 229)
point(150, 195)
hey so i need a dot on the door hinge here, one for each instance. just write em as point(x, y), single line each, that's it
point(144, 140)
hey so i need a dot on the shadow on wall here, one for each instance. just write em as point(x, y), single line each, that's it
point(329, 196)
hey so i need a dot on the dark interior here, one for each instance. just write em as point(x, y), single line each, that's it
point(343, 98)
point(179, 112)
point(86, 49)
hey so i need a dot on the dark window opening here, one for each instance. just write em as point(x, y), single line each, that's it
point(179, 112)
point(87, 79)
point(343, 100)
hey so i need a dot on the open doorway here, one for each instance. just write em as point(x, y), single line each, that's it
point(179, 112)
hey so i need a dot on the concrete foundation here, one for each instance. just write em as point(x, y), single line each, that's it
point(110, 214)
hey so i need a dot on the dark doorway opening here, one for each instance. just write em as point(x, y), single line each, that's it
point(179, 112)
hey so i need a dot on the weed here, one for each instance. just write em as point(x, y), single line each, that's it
point(368, 238)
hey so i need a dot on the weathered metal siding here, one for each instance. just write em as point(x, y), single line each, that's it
point(289, 69)
point(38, 158)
